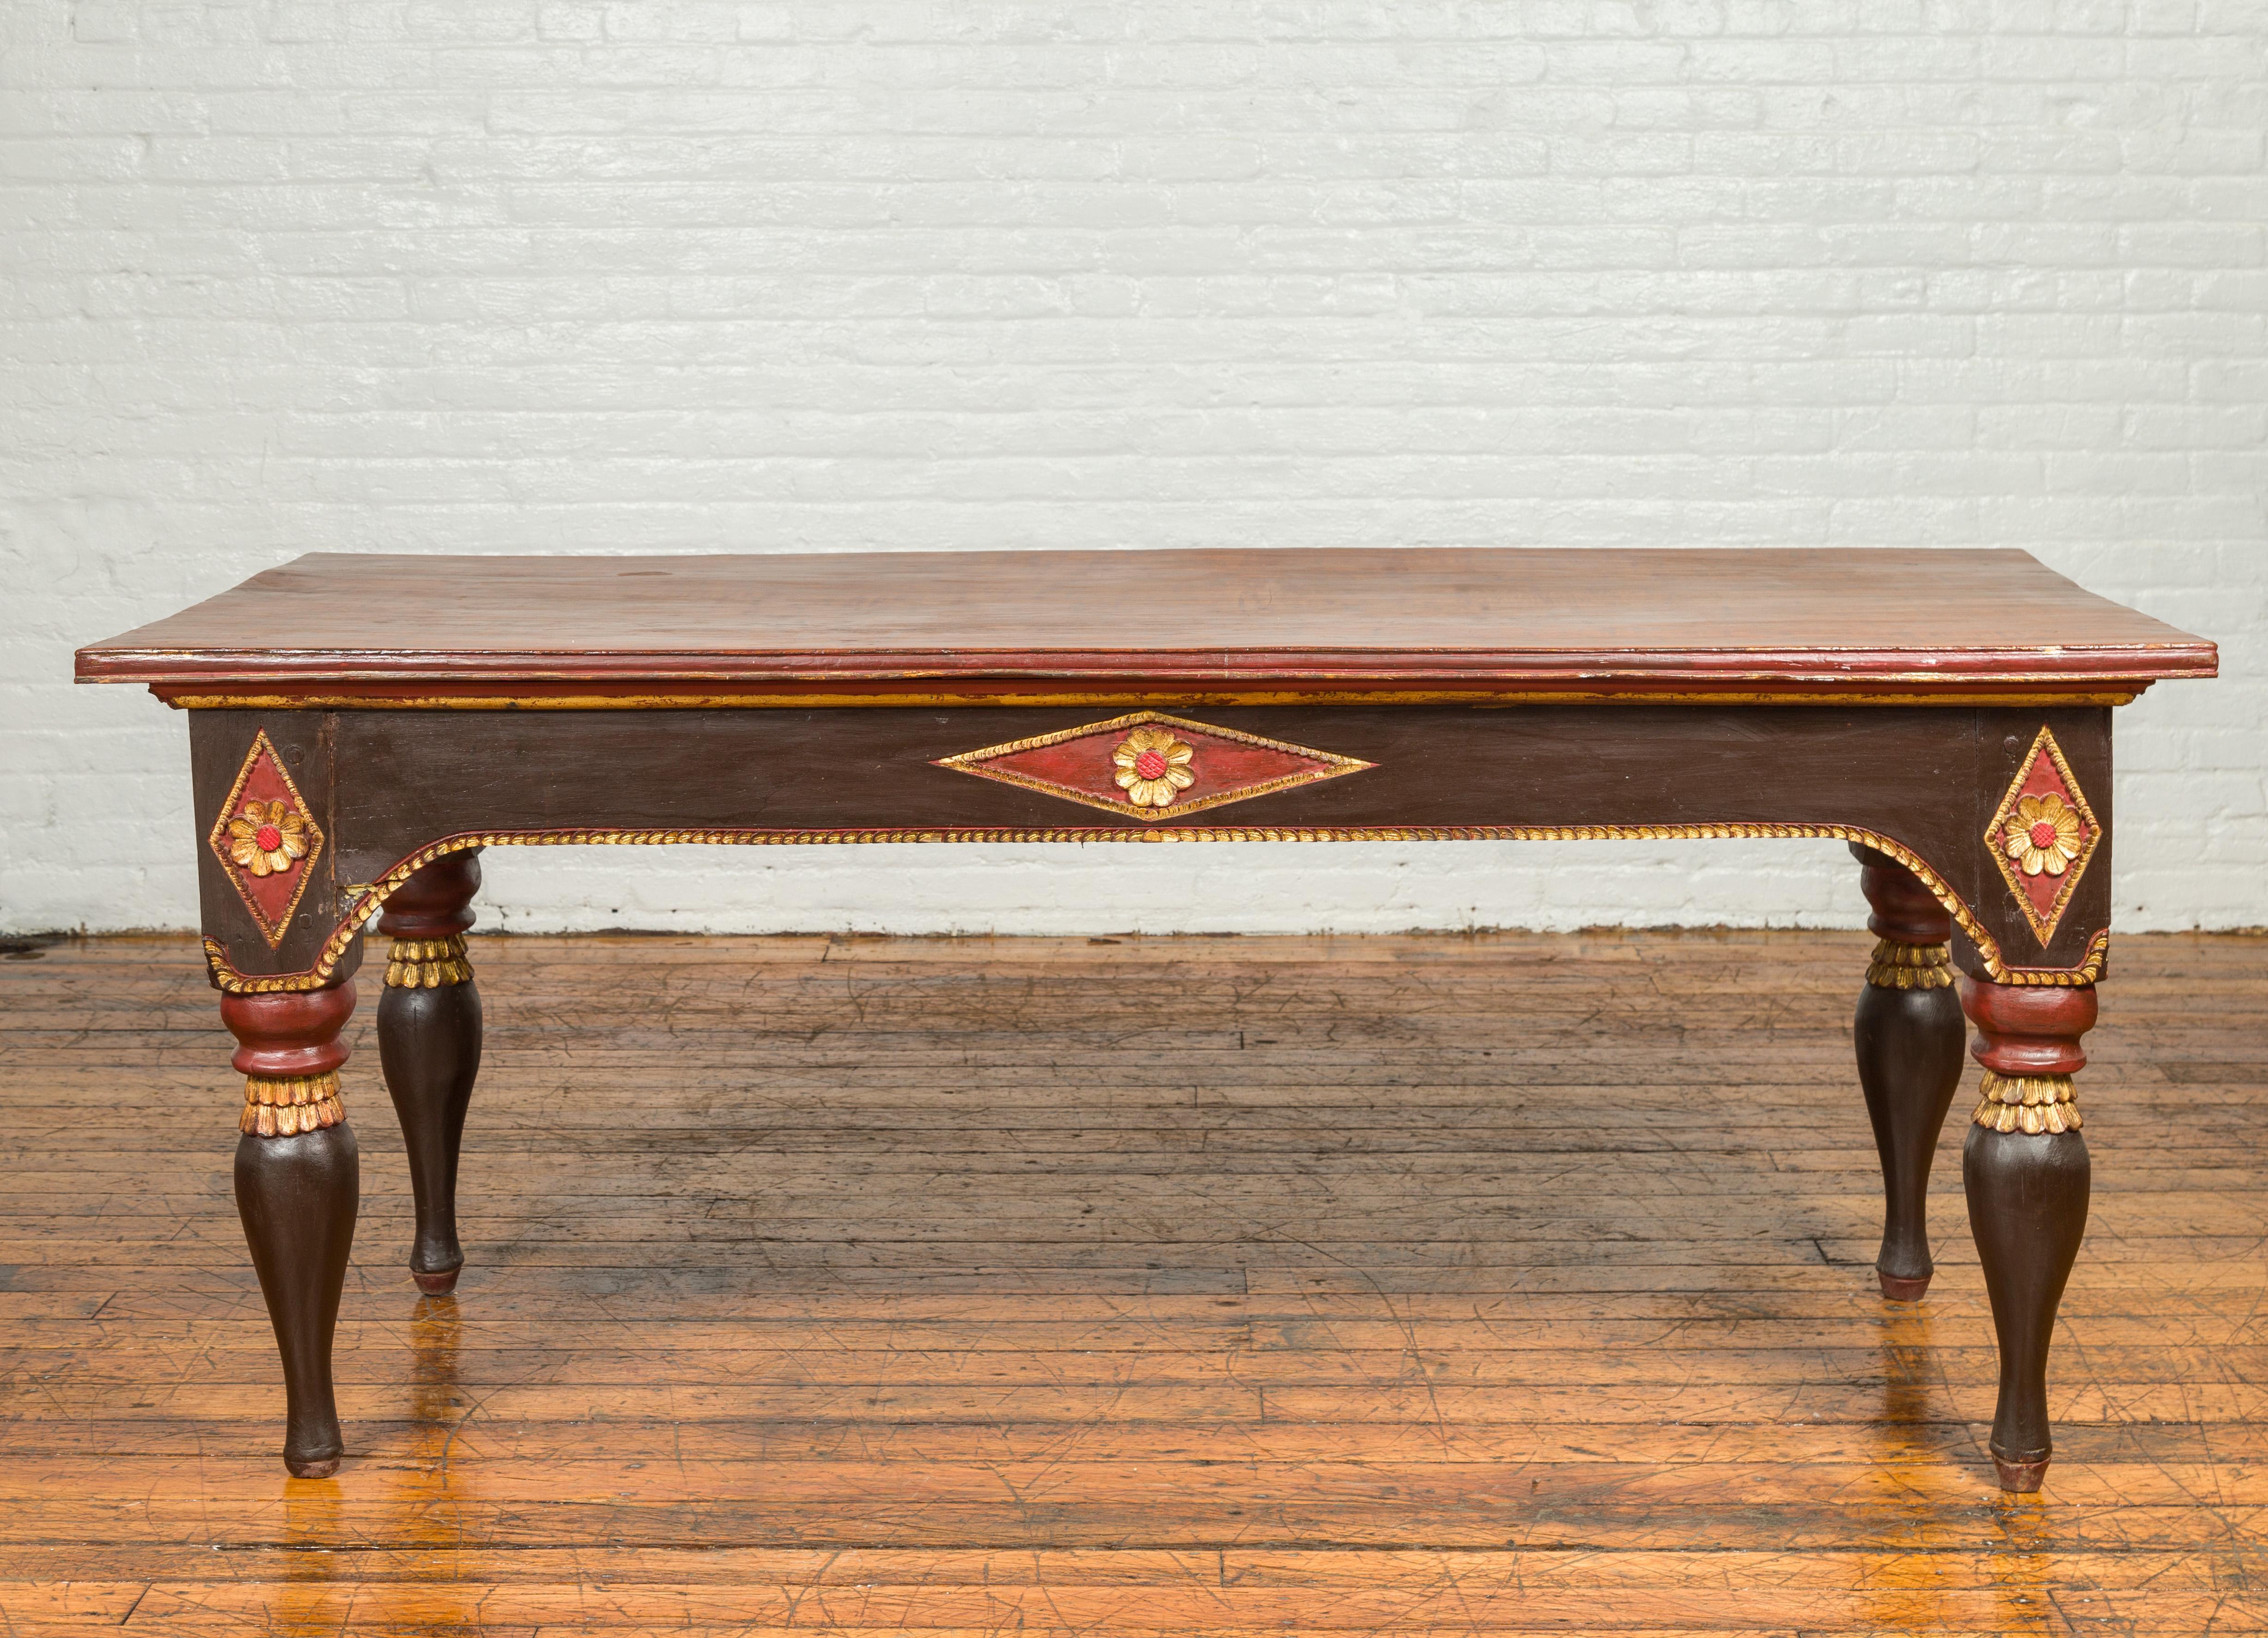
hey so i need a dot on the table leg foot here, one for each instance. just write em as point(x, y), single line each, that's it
point(2021, 1477)
point(1898, 1290)
point(2026, 1172)
point(298, 1182)
point(1908, 1037)
point(428, 1045)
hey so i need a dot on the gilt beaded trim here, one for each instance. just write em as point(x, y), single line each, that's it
point(1898, 966)
point(427, 963)
point(2034, 1104)
point(370, 897)
point(279, 1109)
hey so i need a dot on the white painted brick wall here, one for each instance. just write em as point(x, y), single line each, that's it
point(550, 275)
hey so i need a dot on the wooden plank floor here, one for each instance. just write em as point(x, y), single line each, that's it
point(1470, 1284)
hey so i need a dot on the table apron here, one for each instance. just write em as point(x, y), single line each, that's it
point(387, 785)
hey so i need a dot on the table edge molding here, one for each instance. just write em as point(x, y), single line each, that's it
point(2076, 664)
point(2110, 691)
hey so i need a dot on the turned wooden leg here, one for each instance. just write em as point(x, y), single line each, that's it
point(298, 1183)
point(429, 1043)
point(2025, 1169)
point(1908, 1039)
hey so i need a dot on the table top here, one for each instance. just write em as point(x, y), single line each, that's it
point(891, 627)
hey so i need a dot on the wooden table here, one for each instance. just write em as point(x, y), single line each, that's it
point(361, 726)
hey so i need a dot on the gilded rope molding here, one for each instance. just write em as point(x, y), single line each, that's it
point(1898, 966)
point(427, 963)
point(370, 898)
point(2032, 1103)
point(278, 1108)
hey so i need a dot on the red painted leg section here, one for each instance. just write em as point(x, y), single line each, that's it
point(298, 1181)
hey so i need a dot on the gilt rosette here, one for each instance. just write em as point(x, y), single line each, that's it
point(268, 836)
point(2044, 834)
point(1153, 767)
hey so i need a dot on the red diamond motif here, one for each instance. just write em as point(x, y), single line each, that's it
point(265, 802)
point(1150, 767)
point(2042, 836)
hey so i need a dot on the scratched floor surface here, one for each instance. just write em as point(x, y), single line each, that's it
point(1451, 1285)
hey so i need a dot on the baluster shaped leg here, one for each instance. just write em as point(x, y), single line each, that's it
point(298, 1181)
point(2025, 1169)
point(429, 1043)
point(1908, 1039)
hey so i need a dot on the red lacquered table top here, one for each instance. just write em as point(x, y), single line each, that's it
point(1859, 622)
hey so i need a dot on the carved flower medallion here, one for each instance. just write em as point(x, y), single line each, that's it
point(1153, 767)
point(267, 836)
point(265, 840)
point(2042, 836)
point(1149, 766)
